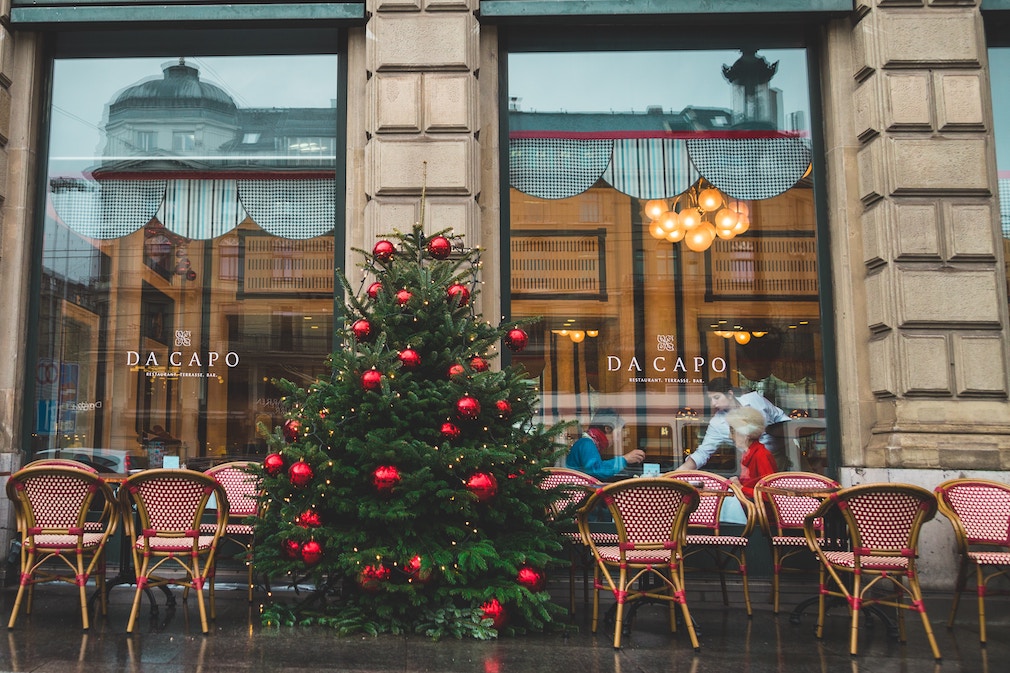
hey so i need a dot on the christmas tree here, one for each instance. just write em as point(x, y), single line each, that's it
point(403, 489)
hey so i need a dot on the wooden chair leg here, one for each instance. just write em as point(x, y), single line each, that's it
point(746, 586)
point(24, 584)
point(619, 615)
point(962, 578)
point(980, 591)
point(854, 609)
point(776, 569)
point(822, 588)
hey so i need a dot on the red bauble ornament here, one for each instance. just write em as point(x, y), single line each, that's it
point(468, 407)
point(371, 380)
point(273, 464)
point(450, 430)
point(384, 251)
point(439, 247)
point(309, 519)
point(494, 611)
point(478, 364)
point(504, 408)
point(413, 570)
point(458, 295)
point(362, 329)
point(456, 370)
point(410, 358)
point(291, 549)
point(300, 473)
point(404, 296)
point(372, 576)
point(373, 290)
point(312, 552)
point(291, 428)
point(531, 578)
point(516, 339)
point(385, 477)
point(482, 485)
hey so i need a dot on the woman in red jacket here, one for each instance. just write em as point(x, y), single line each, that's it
point(747, 425)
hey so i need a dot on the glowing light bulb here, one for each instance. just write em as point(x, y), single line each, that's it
point(657, 231)
point(690, 218)
point(726, 219)
point(577, 336)
point(710, 199)
point(655, 208)
point(742, 338)
point(700, 238)
point(669, 221)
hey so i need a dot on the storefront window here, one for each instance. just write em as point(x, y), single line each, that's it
point(662, 227)
point(188, 253)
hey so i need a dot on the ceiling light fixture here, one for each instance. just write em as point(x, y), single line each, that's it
point(697, 217)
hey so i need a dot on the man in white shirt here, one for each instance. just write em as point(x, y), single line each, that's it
point(723, 398)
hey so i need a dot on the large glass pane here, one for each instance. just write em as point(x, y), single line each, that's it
point(188, 254)
point(662, 225)
point(999, 70)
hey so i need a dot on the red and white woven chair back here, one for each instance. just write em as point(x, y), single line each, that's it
point(242, 487)
point(55, 498)
point(170, 502)
point(982, 508)
point(709, 506)
point(886, 518)
point(648, 510)
point(790, 510)
point(571, 487)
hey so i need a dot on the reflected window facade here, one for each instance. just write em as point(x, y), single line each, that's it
point(662, 227)
point(188, 253)
point(999, 70)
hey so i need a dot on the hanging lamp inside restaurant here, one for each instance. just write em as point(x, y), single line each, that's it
point(697, 217)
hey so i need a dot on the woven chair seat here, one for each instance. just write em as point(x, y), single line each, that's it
point(231, 529)
point(990, 558)
point(173, 544)
point(60, 541)
point(717, 540)
point(792, 541)
point(847, 559)
point(653, 556)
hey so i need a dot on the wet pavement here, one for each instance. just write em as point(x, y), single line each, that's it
point(50, 640)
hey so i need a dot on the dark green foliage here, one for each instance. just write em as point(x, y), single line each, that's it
point(470, 552)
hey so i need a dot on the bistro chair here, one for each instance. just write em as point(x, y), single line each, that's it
point(63, 462)
point(979, 510)
point(166, 536)
point(782, 502)
point(572, 488)
point(243, 489)
point(705, 532)
point(883, 523)
point(51, 506)
point(650, 516)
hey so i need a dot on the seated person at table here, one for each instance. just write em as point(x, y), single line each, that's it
point(724, 398)
point(756, 461)
point(603, 436)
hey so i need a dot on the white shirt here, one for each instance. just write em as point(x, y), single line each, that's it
point(718, 431)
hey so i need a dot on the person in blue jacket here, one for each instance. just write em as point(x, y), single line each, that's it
point(603, 437)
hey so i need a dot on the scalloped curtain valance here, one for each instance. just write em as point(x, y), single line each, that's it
point(748, 165)
point(111, 206)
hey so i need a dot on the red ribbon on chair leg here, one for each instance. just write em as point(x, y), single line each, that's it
point(81, 580)
point(918, 606)
point(26, 579)
point(981, 591)
point(142, 582)
point(620, 596)
point(198, 583)
point(680, 597)
point(855, 602)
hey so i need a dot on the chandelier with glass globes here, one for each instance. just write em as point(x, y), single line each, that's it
point(697, 217)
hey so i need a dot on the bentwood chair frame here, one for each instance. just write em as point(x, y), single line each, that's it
point(979, 511)
point(51, 505)
point(244, 490)
point(705, 534)
point(650, 515)
point(170, 505)
point(782, 502)
point(572, 489)
point(883, 522)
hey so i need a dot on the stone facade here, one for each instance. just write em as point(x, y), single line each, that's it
point(918, 268)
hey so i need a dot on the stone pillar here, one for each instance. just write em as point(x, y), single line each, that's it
point(421, 112)
point(932, 255)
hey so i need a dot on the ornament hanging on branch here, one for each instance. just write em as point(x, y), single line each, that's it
point(404, 296)
point(372, 577)
point(291, 429)
point(439, 247)
point(409, 358)
point(516, 339)
point(385, 477)
point(483, 485)
point(309, 519)
point(373, 290)
point(312, 552)
point(468, 408)
point(450, 430)
point(362, 329)
point(384, 251)
point(458, 295)
point(504, 408)
point(371, 380)
point(531, 578)
point(478, 364)
point(494, 611)
point(456, 370)
point(413, 570)
point(291, 549)
point(273, 464)
point(300, 474)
